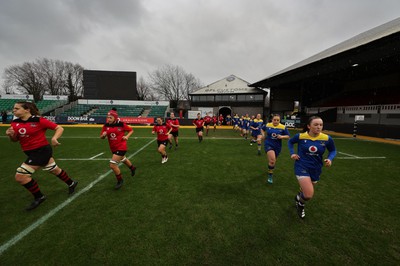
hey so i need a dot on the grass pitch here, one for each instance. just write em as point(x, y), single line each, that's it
point(208, 205)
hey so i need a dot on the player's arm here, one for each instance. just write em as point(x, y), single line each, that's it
point(11, 134)
point(291, 143)
point(57, 134)
point(129, 130)
point(126, 137)
point(332, 152)
point(283, 136)
point(103, 133)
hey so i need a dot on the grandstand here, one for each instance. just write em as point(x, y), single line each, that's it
point(49, 102)
point(156, 111)
point(359, 76)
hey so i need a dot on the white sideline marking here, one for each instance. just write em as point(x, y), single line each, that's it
point(348, 154)
point(51, 213)
point(91, 158)
point(360, 158)
point(82, 159)
point(351, 156)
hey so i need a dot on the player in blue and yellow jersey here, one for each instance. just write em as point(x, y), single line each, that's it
point(255, 127)
point(245, 125)
point(311, 146)
point(235, 121)
point(274, 132)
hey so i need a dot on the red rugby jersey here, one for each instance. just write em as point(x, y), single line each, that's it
point(115, 132)
point(31, 133)
point(198, 122)
point(162, 131)
point(171, 122)
point(207, 119)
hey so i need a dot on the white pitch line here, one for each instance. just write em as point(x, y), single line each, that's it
point(91, 158)
point(82, 159)
point(348, 154)
point(51, 213)
point(359, 158)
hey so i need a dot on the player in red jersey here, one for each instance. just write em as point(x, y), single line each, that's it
point(162, 130)
point(199, 124)
point(30, 130)
point(207, 122)
point(173, 122)
point(115, 130)
point(220, 120)
point(215, 121)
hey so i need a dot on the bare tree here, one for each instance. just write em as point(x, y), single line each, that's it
point(73, 81)
point(144, 90)
point(173, 83)
point(53, 75)
point(45, 76)
point(25, 79)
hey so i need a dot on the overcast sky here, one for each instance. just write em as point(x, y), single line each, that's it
point(211, 39)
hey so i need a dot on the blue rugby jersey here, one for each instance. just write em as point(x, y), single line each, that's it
point(271, 134)
point(311, 150)
point(258, 124)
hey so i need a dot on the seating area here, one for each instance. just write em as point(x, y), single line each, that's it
point(49, 105)
point(156, 111)
point(8, 104)
point(44, 106)
point(78, 110)
point(123, 110)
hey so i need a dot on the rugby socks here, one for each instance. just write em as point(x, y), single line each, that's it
point(33, 188)
point(270, 169)
point(300, 199)
point(259, 146)
point(119, 177)
point(65, 178)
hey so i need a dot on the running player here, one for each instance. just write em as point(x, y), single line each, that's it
point(311, 146)
point(274, 132)
point(245, 126)
point(228, 119)
point(199, 124)
point(256, 134)
point(215, 121)
point(220, 120)
point(29, 128)
point(235, 121)
point(207, 122)
point(162, 130)
point(115, 130)
point(173, 122)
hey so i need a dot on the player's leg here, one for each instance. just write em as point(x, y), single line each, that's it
point(176, 140)
point(53, 168)
point(115, 160)
point(129, 164)
point(162, 150)
point(306, 193)
point(24, 177)
point(271, 165)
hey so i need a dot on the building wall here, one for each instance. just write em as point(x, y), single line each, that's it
point(377, 119)
point(247, 110)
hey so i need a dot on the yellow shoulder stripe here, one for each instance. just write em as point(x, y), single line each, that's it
point(321, 136)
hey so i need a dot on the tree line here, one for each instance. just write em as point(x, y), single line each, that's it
point(56, 77)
